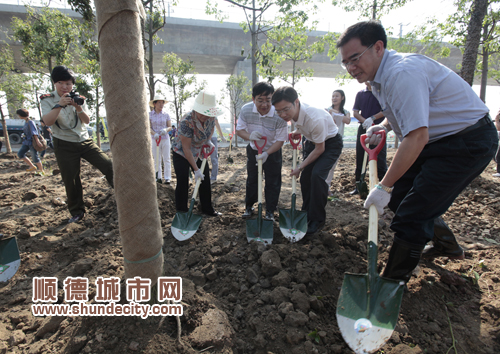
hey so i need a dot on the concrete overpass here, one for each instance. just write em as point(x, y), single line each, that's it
point(214, 47)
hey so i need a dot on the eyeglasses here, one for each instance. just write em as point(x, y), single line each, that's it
point(268, 101)
point(354, 61)
point(284, 110)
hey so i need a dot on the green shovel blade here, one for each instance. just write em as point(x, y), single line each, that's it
point(368, 308)
point(260, 230)
point(293, 223)
point(362, 187)
point(185, 224)
point(9, 258)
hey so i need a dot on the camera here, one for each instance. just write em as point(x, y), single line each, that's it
point(76, 97)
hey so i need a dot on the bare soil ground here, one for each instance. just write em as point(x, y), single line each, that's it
point(240, 297)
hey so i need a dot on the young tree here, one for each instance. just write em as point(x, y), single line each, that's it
point(373, 9)
point(237, 89)
point(47, 37)
point(288, 42)
point(180, 77)
point(13, 85)
point(155, 21)
point(255, 22)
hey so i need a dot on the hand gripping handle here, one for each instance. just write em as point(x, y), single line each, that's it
point(373, 153)
point(292, 141)
point(260, 148)
point(206, 153)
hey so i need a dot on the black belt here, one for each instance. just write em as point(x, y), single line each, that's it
point(483, 121)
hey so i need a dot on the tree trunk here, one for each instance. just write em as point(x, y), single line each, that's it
point(122, 68)
point(254, 48)
point(151, 58)
point(98, 124)
point(474, 27)
point(484, 72)
point(5, 132)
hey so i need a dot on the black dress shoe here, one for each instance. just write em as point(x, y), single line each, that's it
point(214, 213)
point(248, 213)
point(354, 192)
point(314, 226)
point(158, 180)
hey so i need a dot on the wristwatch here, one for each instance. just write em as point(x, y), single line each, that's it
point(58, 106)
point(385, 188)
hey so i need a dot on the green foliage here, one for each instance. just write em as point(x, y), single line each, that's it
point(373, 9)
point(237, 89)
point(179, 75)
point(84, 8)
point(47, 37)
point(288, 42)
point(315, 336)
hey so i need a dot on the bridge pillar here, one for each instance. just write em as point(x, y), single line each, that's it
point(244, 66)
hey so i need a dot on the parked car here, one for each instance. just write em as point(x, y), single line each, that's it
point(14, 129)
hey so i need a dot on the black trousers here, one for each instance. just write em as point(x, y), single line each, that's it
point(312, 180)
point(272, 172)
point(182, 167)
point(440, 173)
point(68, 156)
point(360, 154)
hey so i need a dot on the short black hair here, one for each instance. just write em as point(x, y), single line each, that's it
point(62, 73)
point(262, 88)
point(23, 112)
point(285, 93)
point(368, 32)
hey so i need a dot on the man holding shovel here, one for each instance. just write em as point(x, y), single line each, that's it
point(447, 140)
point(258, 119)
point(367, 111)
point(322, 148)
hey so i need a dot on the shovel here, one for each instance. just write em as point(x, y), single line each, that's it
point(361, 184)
point(185, 224)
point(157, 161)
point(260, 230)
point(368, 305)
point(9, 258)
point(293, 223)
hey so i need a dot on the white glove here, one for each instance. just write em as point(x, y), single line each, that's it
point(262, 157)
point(163, 132)
point(156, 136)
point(374, 139)
point(379, 198)
point(255, 136)
point(223, 139)
point(368, 123)
point(198, 174)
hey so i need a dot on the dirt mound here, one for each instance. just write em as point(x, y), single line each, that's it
point(240, 297)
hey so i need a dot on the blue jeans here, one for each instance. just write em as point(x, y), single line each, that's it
point(24, 149)
point(441, 172)
point(214, 158)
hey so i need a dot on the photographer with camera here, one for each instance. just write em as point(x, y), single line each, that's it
point(65, 112)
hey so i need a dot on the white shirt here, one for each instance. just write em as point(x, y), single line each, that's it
point(315, 124)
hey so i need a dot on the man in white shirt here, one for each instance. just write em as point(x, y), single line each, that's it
point(322, 149)
point(447, 140)
point(258, 119)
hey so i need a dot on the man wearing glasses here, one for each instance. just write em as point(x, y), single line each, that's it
point(258, 119)
point(447, 140)
point(321, 150)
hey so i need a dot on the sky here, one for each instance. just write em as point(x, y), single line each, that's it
point(317, 91)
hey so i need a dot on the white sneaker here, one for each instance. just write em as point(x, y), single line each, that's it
point(496, 174)
point(213, 181)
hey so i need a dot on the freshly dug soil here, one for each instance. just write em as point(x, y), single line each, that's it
point(240, 297)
